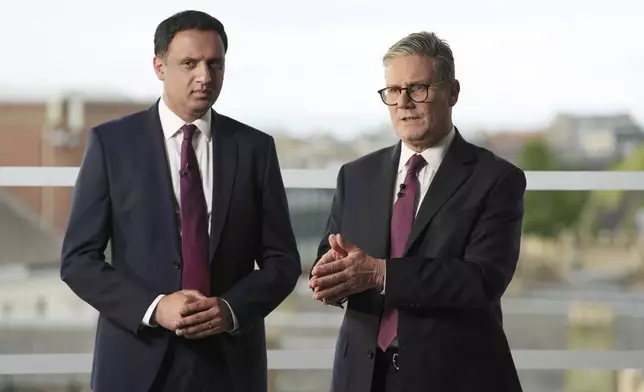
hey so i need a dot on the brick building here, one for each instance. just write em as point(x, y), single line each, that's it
point(45, 133)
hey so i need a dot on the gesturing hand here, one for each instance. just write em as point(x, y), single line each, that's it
point(339, 277)
point(205, 317)
point(335, 252)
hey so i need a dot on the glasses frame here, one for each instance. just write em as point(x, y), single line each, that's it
point(407, 90)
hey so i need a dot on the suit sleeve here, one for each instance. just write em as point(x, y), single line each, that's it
point(83, 265)
point(333, 226)
point(259, 293)
point(484, 271)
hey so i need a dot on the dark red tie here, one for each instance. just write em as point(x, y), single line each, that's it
point(402, 219)
point(194, 219)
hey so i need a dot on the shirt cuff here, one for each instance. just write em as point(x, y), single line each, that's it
point(147, 317)
point(235, 322)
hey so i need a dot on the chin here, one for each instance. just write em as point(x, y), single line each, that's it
point(408, 132)
point(201, 104)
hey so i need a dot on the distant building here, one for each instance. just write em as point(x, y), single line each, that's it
point(33, 299)
point(593, 142)
point(45, 133)
point(508, 144)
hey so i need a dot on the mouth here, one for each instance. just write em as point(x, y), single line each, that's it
point(410, 118)
point(202, 93)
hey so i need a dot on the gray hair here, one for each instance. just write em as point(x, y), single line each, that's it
point(428, 45)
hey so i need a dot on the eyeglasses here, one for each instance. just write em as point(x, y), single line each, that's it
point(416, 92)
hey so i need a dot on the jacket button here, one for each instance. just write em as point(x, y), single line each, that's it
point(370, 354)
point(177, 265)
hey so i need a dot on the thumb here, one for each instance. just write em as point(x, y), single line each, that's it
point(335, 245)
point(347, 246)
point(193, 294)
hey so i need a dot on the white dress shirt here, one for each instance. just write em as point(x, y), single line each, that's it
point(433, 156)
point(172, 125)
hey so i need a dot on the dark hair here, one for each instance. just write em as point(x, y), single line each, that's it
point(182, 21)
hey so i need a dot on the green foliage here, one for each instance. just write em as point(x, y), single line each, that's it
point(547, 213)
point(625, 203)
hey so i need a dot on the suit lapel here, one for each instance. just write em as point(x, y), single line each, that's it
point(225, 160)
point(380, 202)
point(452, 173)
point(160, 180)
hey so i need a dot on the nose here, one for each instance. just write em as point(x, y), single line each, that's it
point(404, 102)
point(203, 73)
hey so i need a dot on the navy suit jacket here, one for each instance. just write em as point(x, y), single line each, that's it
point(123, 195)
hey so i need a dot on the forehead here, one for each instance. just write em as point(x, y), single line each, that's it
point(196, 44)
point(403, 70)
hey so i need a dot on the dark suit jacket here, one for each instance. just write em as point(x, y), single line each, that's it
point(460, 257)
point(124, 194)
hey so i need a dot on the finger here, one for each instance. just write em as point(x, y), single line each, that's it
point(325, 282)
point(333, 300)
point(326, 258)
point(195, 307)
point(335, 245)
point(201, 327)
point(197, 318)
point(329, 268)
point(205, 334)
point(341, 290)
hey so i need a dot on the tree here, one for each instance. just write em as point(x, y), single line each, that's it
point(547, 213)
point(624, 205)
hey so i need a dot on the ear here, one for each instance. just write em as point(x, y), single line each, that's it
point(159, 67)
point(454, 91)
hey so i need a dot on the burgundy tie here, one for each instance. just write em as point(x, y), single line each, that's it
point(402, 220)
point(194, 219)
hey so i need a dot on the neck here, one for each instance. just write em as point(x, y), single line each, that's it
point(431, 140)
point(183, 114)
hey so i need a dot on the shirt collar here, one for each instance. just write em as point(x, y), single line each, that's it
point(171, 123)
point(433, 155)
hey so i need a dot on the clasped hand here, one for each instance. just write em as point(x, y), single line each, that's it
point(189, 313)
point(344, 270)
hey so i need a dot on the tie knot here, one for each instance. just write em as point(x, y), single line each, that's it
point(189, 131)
point(416, 162)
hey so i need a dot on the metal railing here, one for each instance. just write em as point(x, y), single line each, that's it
point(326, 179)
point(323, 359)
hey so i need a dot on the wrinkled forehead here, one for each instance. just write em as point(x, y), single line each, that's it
point(412, 69)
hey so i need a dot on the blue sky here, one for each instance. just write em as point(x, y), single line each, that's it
point(316, 68)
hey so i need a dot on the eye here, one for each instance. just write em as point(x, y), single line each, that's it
point(217, 64)
point(189, 63)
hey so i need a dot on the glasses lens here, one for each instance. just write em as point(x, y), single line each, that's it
point(390, 95)
point(418, 93)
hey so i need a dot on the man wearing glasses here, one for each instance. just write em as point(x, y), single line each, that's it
point(422, 241)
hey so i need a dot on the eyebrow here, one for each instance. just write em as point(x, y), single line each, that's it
point(410, 83)
point(209, 60)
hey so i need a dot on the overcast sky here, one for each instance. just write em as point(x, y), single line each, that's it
point(319, 67)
